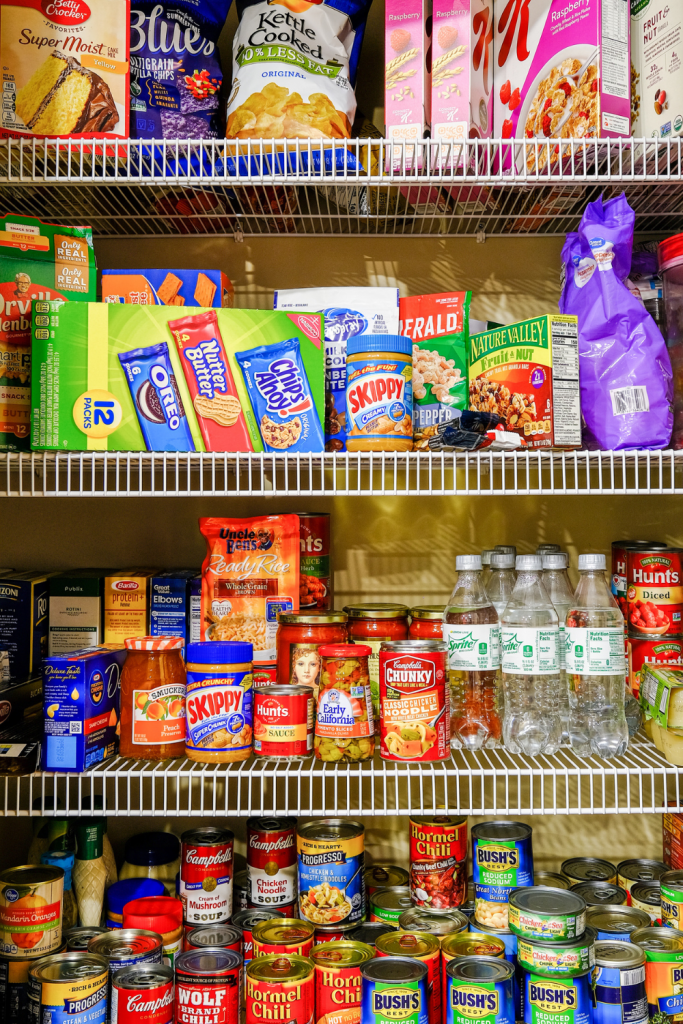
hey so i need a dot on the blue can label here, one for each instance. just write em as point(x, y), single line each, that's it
point(331, 879)
point(619, 996)
point(219, 710)
point(489, 1003)
point(567, 1001)
point(76, 1003)
point(499, 867)
point(405, 1002)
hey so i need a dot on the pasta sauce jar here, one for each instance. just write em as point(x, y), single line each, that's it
point(153, 685)
point(219, 701)
point(426, 622)
point(299, 637)
point(375, 624)
point(344, 728)
point(414, 700)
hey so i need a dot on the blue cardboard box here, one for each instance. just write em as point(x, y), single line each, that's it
point(24, 621)
point(204, 288)
point(170, 603)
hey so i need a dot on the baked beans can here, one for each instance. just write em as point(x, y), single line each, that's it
point(509, 940)
point(481, 989)
point(14, 988)
point(281, 989)
point(639, 870)
point(395, 988)
point(77, 938)
point(384, 876)
point(438, 922)
point(332, 933)
point(460, 944)
point(600, 894)
point(67, 987)
point(438, 862)
point(655, 591)
point(566, 999)
point(208, 986)
point(419, 946)
point(588, 869)
point(284, 719)
point(127, 947)
point(214, 936)
point(502, 860)
point(240, 884)
point(388, 904)
point(246, 921)
point(643, 651)
point(142, 995)
point(284, 936)
point(663, 948)
point(338, 981)
point(315, 571)
point(369, 931)
point(647, 896)
point(31, 910)
point(617, 922)
point(619, 984)
point(206, 868)
point(414, 697)
point(331, 861)
point(271, 862)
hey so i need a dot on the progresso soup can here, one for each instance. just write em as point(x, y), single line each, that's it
point(419, 946)
point(546, 915)
point(65, 986)
point(566, 957)
point(331, 855)
point(616, 922)
point(502, 861)
point(619, 984)
point(663, 948)
point(394, 988)
point(479, 989)
point(558, 999)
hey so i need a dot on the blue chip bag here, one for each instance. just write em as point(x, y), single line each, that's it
point(157, 401)
point(281, 397)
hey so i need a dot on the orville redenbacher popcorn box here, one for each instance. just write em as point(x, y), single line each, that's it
point(406, 81)
point(462, 70)
point(561, 70)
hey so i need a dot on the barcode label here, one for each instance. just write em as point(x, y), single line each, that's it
point(628, 400)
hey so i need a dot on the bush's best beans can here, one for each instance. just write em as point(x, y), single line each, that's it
point(280, 989)
point(206, 868)
point(271, 861)
point(480, 989)
point(438, 862)
point(338, 981)
point(663, 948)
point(208, 986)
point(395, 988)
point(331, 859)
point(619, 984)
point(565, 999)
point(672, 899)
point(419, 946)
point(509, 940)
point(502, 860)
point(647, 896)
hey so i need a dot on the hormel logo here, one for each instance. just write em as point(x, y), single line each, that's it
point(409, 670)
point(140, 1002)
point(282, 843)
point(65, 12)
point(204, 860)
point(125, 585)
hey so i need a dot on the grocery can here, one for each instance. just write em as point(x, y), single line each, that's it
point(284, 718)
point(271, 861)
point(414, 696)
point(501, 861)
point(566, 999)
point(663, 948)
point(647, 896)
point(438, 861)
point(214, 936)
point(77, 938)
point(142, 995)
point(564, 958)
point(620, 549)
point(551, 880)
point(394, 987)
point(672, 899)
point(338, 981)
point(546, 915)
point(331, 859)
point(443, 922)
point(643, 651)
point(600, 894)
point(655, 593)
point(616, 922)
point(588, 869)
point(281, 988)
point(384, 876)
point(246, 921)
point(639, 870)
point(315, 587)
point(284, 936)
point(388, 904)
point(419, 946)
point(239, 892)
point(31, 910)
point(480, 989)
point(467, 944)
point(208, 978)
point(14, 988)
point(509, 939)
point(332, 933)
point(127, 947)
point(64, 985)
point(619, 984)
point(206, 867)
point(368, 932)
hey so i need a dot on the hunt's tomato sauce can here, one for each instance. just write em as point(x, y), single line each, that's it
point(338, 981)
point(666, 651)
point(208, 987)
point(414, 700)
point(438, 862)
point(284, 717)
point(281, 989)
point(271, 861)
point(206, 868)
point(655, 591)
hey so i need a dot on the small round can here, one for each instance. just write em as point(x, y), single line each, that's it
point(62, 985)
point(419, 946)
point(468, 944)
point(479, 988)
point(502, 861)
point(588, 869)
point(619, 983)
point(208, 978)
point(214, 936)
point(281, 988)
point(77, 938)
point(271, 861)
point(438, 862)
point(14, 987)
point(330, 853)
point(369, 932)
point(246, 921)
point(597, 894)
point(421, 919)
point(284, 720)
point(338, 981)
point(509, 939)
point(127, 947)
point(239, 892)
point(393, 986)
point(663, 948)
point(647, 896)
point(551, 880)
point(546, 915)
point(142, 995)
point(567, 958)
point(206, 868)
point(384, 876)
point(672, 899)
point(31, 896)
point(332, 933)
point(616, 922)
point(284, 936)
point(565, 999)
point(639, 870)
point(388, 904)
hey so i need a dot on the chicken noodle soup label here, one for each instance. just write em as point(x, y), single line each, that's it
point(159, 715)
point(473, 648)
point(219, 712)
point(529, 651)
point(594, 652)
point(331, 881)
point(414, 706)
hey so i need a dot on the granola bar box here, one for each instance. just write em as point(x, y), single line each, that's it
point(561, 70)
point(528, 373)
point(462, 71)
point(656, 69)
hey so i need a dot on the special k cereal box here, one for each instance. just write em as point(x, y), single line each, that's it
point(407, 94)
point(462, 70)
point(561, 71)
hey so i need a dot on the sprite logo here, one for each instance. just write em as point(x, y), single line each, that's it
point(512, 644)
point(463, 643)
point(571, 645)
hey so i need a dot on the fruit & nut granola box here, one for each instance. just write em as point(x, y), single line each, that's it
point(407, 92)
point(528, 373)
point(656, 68)
point(462, 70)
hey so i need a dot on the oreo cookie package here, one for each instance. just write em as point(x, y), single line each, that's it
point(157, 400)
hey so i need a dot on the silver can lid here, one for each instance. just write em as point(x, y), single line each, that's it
point(394, 969)
point(392, 898)
point(598, 894)
point(501, 831)
point(617, 918)
point(479, 968)
point(614, 953)
point(143, 976)
point(549, 902)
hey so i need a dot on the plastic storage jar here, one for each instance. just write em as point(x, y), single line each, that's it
point(299, 635)
point(375, 624)
point(426, 622)
point(670, 255)
point(152, 855)
point(344, 728)
point(379, 393)
point(153, 698)
point(122, 892)
point(220, 701)
point(160, 914)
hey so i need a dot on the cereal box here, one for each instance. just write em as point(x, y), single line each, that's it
point(407, 93)
point(561, 70)
point(528, 373)
point(462, 70)
point(656, 68)
point(168, 287)
point(126, 605)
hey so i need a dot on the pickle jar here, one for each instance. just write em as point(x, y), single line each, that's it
point(344, 728)
point(153, 698)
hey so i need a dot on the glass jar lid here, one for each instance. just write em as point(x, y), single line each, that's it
point(376, 611)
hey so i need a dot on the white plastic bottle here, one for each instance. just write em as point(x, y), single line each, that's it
point(595, 664)
point(556, 582)
point(501, 581)
point(531, 664)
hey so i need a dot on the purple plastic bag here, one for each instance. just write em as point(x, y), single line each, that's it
point(624, 367)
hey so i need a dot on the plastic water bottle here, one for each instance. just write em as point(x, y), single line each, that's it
point(595, 664)
point(486, 565)
point(548, 549)
point(556, 582)
point(501, 582)
point(471, 630)
point(506, 549)
point(531, 664)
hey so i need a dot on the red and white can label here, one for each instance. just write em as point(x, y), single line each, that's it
point(415, 699)
point(271, 867)
point(142, 1006)
point(438, 863)
point(280, 1001)
point(283, 724)
point(215, 1002)
point(206, 883)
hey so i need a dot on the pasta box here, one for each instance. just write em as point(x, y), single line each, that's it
point(24, 621)
point(75, 612)
point(169, 603)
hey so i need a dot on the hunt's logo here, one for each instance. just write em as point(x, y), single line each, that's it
point(396, 1003)
point(65, 12)
point(283, 387)
point(474, 1002)
point(497, 858)
point(551, 997)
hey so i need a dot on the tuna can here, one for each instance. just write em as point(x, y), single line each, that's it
point(598, 894)
point(420, 919)
point(502, 861)
point(546, 915)
point(369, 932)
point(438, 861)
point(619, 984)
point(631, 871)
point(566, 958)
point(77, 939)
point(551, 880)
point(246, 921)
point(589, 869)
point(127, 947)
point(142, 995)
point(64, 985)
point(384, 876)
point(280, 988)
point(240, 885)
point(663, 948)
point(271, 861)
point(479, 989)
point(31, 898)
point(332, 933)
point(616, 922)
point(214, 936)
point(331, 855)
point(206, 866)
point(394, 988)
point(419, 946)
point(210, 978)
point(338, 981)
point(672, 899)
point(388, 905)
point(14, 988)
point(647, 896)
point(566, 999)
point(283, 936)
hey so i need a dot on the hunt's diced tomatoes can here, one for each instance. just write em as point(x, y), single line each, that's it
point(280, 988)
point(338, 981)
point(666, 651)
point(655, 591)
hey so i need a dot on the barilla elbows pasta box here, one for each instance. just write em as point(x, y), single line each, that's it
point(407, 94)
point(81, 704)
point(528, 374)
point(561, 70)
point(462, 71)
point(168, 287)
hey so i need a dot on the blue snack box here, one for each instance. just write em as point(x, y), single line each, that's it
point(158, 405)
point(24, 621)
point(170, 603)
point(81, 708)
point(180, 288)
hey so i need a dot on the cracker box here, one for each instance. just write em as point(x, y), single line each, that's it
point(407, 93)
point(528, 373)
point(561, 70)
point(168, 287)
point(23, 621)
point(65, 68)
point(81, 707)
point(656, 69)
point(76, 608)
point(170, 596)
point(126, 605)
point(462, 70)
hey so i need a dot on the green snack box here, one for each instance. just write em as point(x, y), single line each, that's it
point(76, 367)
point(656, 697)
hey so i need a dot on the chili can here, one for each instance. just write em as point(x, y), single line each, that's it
point(599, 894)
point(551, 880)
point(672, 899)
point(414, 696)
point(388, 904)
point(214, 936)
point(280, 989)
point(438, 861)
point(438, 922)
point(331, 858)
point(142, 995)
point(502, 860)
point(426, 622)
point(77, 938)
point(588, 869)
point(210, 978)
point(284, 936)
point(479, 989)
point(642, 651)
point(271, 861)
point(284, 718)
point(239, 891)
point(395, 987)
point(565, 957)
point(619, 984)
point(647, 896)
point(315, 573)
point(31, 910)
point(546, 915)
point(369, 931)
point(332, 933)
point(338, 981)
point(246, 921)
point(616, 922)
point(419, 946)
point(566, 999)
point(206, 868)
point(384, 876)
point(62, 985)
point(655, 595)
point(663, 948)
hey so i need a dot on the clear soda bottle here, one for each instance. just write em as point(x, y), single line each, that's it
point(506, 549)
point(548, 549)
point(486, 565)
point(595, 664)
point(531, 664)
point(471, 630)
point(501, 582)
point(556, 581)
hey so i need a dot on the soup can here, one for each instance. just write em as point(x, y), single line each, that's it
point(546, 915)
point(31, 910)
point(502, 860)
point(672, 899)
point(438, 861)
point(14, 988)
point(414, 701)
point(419, 946)
point(421, 919)
point(647, 896)
point(331, 855)
point(271, 861)
point(214, 936)
point(566, 958)
point(384, 876)
point(393, 987)
point(663, 948)
point(338, 981)
point(619, 983)
point(332, 933)
point(206, 868)
point(639, 870)
point(616, 922)
point(479, 988)
point(368, 932)
point(127, 947)
point(388, 904)
point(65, 984)
point(284, 717)
point(284, 936)
point(565, 999)
point(143, 995)
point(589, 869)
point(280, 988)
point(208, 978)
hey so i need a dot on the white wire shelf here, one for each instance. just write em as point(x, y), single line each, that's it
point(144, 474)
point(367, 186)
point(486, 782)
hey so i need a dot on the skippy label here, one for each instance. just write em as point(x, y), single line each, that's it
point(206, 884)
point(528, 651)
point(219, 711)
point(379, 398)
point(595, 652)
point(81, 1001)
point(159, 715)
point(473, 648)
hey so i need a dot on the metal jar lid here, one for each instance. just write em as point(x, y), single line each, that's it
point(617, 918)
point(588, 869)
point(418, 944)
point(624, 955)
point(551, 880)
point(376, 611)
point(547, 902)
point(431, 612)
point(597, 894)
point(342, 953)
point(310, 618)
point(276, 967)
point(480, 969)
point(68, 967)
point(394, 969)
point(501, 831)
point(330, 829)
point(641, 870)
point(392, 899)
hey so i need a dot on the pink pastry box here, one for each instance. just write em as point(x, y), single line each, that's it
point(462, 70)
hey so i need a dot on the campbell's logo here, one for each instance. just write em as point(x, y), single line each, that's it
point(149, 1002)
point(200, 859)
point(281, 843)
point(474, 1002)
point(410, 671)
point(497, 858)
point(65, 12)
point(551, 997)
point(125, 585)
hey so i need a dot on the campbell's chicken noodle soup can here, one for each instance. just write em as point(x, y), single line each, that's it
point(284, 719)
point(208, 987)
point(206, 868)
point(271, 861)
point(315, 571)
point(284, 936)
point(655, 591)
point(143, 995)
point(213, 936)
point(641, 651)
point(438, 861)
point(246, 921)
point(418, 946)
point(31, 910)
point(414, 701)
point(338, 981)
point(281, 989)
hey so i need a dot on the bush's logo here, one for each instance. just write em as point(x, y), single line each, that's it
point(65, 12)
point(497, 858)
point(396, 1003)
point(283, 388)
point(474, 1002)
point(552, 998)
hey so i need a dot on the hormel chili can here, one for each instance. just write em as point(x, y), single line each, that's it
point(338, 981)
point(642, 651)
point(142, 995)
point(246, 921)
point(206, 868)
point(271, 861)
point(284, 936)
point(315, 586)
point(281, 989)
point(414, 701)
point(655, 591)
point(208, 987)
point(284, 718)
point(438, 862)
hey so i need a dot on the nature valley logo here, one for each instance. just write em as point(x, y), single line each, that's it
point(550, 997)
point(396, 1003)
point(497, 858)
point(474, 1002)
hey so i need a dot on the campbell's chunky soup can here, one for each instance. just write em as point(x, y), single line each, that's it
point(280, 988)
point(206, 868)
point(414, 697)
point(438, 862)
point(655, 591)
point(271, 861)
point(31, 910)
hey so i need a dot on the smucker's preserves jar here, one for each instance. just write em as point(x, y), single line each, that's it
point(219, 701)
point(426, 622)
point(284, 717)
point(153, 684)
point(344, 727)
point(379, 393)
point(375, 624)
point(299, 638)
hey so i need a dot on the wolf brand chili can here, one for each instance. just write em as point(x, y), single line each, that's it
point(654, 593)
point(384, 876)
point(663, 948)
point(271, 861)
point(546, 915)
point(616, 923)
point(600, 894)
point(331, 858)
point(438, 922)
point(315, 587)
point(246, 921)
point(281, 989)
point(438, 862)
point(388, 905)
point(563, 958)
point(338, 981)
point(642, 651)
point(588, 869)
point(283, 936)
point(66, 987)
point(501, 861)
point(414, 697)
point(77, 939)
point(31, 910)
point(568, 1000)
point(395, 988)
point(208, 987)
point(214, 936)
point(479, 989)
point(206, 867)
point(418, 946)
point(284, 718)
point(142, 995)
point(619, 984)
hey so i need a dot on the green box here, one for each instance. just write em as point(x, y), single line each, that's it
point(655, 692)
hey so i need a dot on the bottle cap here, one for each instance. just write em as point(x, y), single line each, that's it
point(151, 848)
point(89, 838)
point(219, 652)
point(548, 549)
point(528, 562)
point(556, 560)
point(63, 859)
point(499, 560)
point(592, 562)
point(506, 549)
point(154, 643)
point(486, 556)
point(121, 893)
point(160, 914)
point(345, 651)
point(463, 562)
